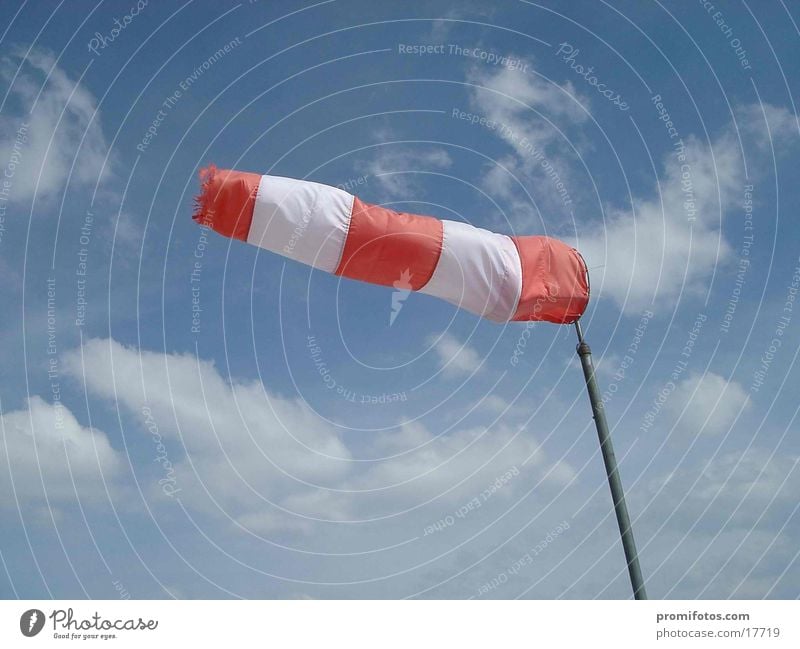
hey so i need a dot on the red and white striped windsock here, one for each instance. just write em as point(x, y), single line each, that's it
point(496, 276)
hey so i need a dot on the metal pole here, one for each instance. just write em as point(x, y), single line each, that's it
point(610, 461)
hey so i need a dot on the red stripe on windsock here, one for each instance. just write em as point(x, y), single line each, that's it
point(555, 283)
point(226, 201)
point(384, 246)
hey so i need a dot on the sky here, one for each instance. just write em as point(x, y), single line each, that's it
point(187, 416)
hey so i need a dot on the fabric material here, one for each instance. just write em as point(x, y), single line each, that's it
point(302, 220)
point(491, 275)
point(555, 285)
point(385, 247)
point(226, 202)
point(478, 271)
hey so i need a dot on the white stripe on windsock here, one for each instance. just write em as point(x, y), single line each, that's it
point(302, 220)
point(478, 270)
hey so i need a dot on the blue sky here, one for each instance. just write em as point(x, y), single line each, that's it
point(283, 439)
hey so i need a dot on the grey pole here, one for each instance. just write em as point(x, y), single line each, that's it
point(610, 461)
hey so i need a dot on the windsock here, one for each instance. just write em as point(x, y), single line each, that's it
point(495, 276)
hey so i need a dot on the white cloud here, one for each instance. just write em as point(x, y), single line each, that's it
point(672, 241)
point(537, 118)
point(755, 475)
point(669, 243)
point(232, 443)
point(455, 358)
point(768, 127)
point(525, 102)
point(247, 448)
point(736, 489)
point(396, 168)
point(434, 463)
point(510, 185)
point(47, 454)
point(494, 403)
point(707, 404)
point(127, 234)
point(64, 122)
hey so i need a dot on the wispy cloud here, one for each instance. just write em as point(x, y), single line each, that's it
point(62, 137)
point(399, 169)
point(768, 127)
point(540, 120)
point(670, 242)
point(707, 404)
point(455, 358)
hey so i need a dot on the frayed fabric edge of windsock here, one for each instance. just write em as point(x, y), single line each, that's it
point(226, 200)
point(203, 202)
